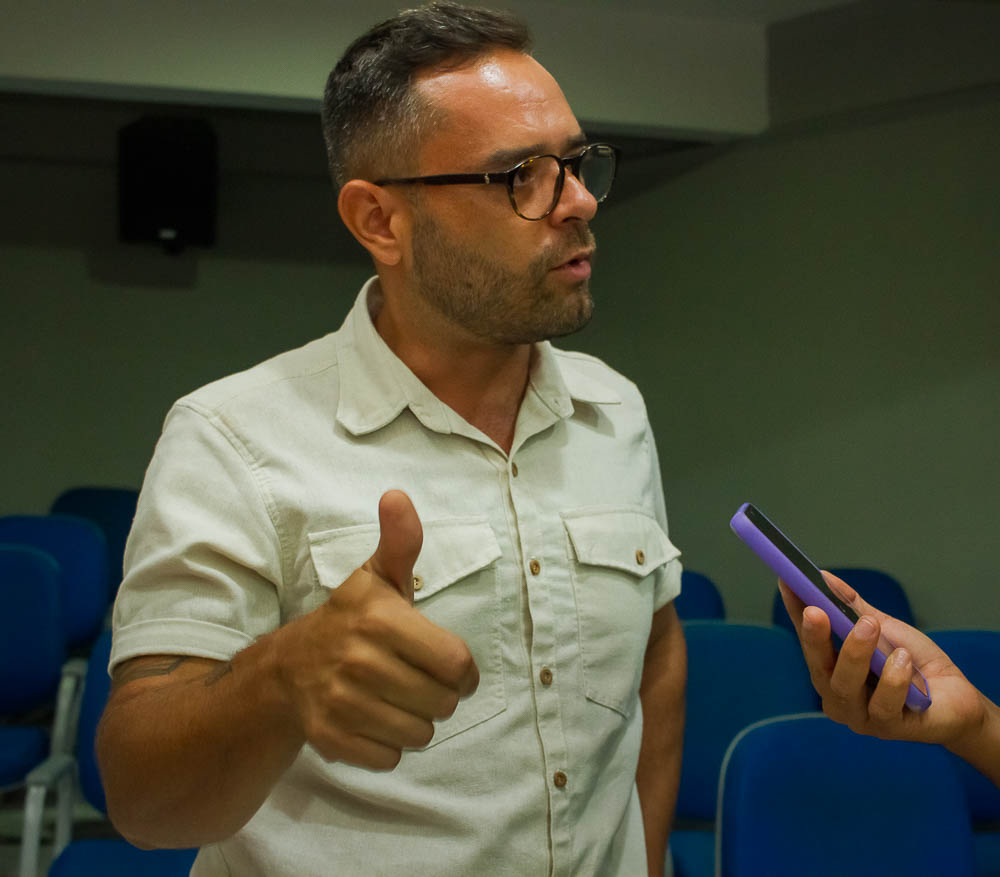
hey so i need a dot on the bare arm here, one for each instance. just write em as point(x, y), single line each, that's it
point(662, 692)
point(189, 749)
point(960, 717)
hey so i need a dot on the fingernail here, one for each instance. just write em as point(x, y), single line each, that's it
point(865, 629)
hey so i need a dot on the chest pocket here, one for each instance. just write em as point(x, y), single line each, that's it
point(615, 553)
point(455, 586)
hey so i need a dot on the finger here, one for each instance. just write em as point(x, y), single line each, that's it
point(817, 647)
point(400, 540)
point(889, 698)
point(844, 591)
point(355, 711)
point(440, 654)
point(396, 728)
point(336, 745)
point(418, 693)
point(793, 605)
point(850, 673)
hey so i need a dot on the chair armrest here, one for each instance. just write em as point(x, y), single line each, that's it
point(50, 771)
point(68, 699)
point(57, 770)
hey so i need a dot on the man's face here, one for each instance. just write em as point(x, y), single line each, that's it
point(474, 260)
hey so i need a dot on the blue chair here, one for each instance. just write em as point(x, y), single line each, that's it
point(32, 651)
point(79, 547)
point(107, 857)
point(876, 587)
point(804, 795)
point(699, 597)
point(737, 675)
point(112, 509)
point(977, 654)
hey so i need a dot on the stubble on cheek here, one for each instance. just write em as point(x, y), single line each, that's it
point(491, 300)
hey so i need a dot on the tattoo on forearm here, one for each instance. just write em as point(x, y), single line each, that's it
point(218, 672)
point(166, 666)
point(159, 667)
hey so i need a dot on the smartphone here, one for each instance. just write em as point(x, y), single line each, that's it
point(804, 578)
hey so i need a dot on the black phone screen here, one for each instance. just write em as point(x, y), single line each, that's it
point(802, 563)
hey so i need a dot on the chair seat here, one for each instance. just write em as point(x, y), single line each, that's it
point(693, 852)
point(21, 749)
point(109, 857)
point(986, 853)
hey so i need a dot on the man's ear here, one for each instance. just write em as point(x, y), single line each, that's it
point(374, 216)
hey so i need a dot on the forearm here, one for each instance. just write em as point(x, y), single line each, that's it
point(981, 747)
point(188, 752)
point(659, 771)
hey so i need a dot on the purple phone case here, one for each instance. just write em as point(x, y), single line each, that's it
point(790, 574)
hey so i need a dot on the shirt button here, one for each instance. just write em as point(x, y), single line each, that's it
point(560, 779)
point(640, 556)
point(545, 676)
point(535, 567)
point(418, 583)
point(513, 469)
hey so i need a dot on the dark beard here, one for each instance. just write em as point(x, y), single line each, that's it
point(490, 301)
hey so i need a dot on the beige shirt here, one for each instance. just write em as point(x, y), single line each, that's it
point(262, 497)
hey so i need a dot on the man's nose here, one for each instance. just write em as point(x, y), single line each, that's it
point(575, 201)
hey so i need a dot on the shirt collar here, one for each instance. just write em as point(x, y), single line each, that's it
point(375, 385)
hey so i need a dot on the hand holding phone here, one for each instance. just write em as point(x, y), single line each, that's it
point(807, 582)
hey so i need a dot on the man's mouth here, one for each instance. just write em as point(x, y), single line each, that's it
point(577, 262)
point(577, 266)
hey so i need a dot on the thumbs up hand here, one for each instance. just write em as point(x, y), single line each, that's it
point(366, 673)
point(399, 545)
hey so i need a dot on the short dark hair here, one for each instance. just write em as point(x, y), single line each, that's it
point(371, 116)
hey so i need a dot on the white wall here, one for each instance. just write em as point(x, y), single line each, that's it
point(704, 76)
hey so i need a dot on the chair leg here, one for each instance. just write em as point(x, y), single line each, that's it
point(64, 812)
point(31, 837)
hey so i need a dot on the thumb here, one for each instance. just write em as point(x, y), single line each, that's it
point(399, 543)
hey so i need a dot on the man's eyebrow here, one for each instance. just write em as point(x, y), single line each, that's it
point(507, 158)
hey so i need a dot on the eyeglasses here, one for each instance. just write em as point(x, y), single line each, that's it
point(534, 185)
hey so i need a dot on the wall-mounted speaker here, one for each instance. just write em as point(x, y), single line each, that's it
point(168, 178)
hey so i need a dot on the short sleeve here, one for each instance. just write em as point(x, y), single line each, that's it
point(203, 559)
point(668, 576)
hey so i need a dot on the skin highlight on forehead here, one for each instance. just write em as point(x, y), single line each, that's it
point(501, 108)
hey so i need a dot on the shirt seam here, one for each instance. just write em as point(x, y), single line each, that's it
point(254, 468)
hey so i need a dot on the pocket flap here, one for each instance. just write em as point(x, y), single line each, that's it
point(622, 539)
point(337, 553)
point(452, 550)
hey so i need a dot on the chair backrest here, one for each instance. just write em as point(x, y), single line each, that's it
point(737, 674)
point(32, 648)
point(96, 688)
point(977, 654)
point(79, 547)
point(876, 587)
point(112, 509)
point(804, 795)
point(699, 597)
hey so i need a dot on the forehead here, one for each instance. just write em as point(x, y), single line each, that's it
point(505, 101)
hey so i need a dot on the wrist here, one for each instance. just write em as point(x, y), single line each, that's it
point(270, 680)
point(980, 743)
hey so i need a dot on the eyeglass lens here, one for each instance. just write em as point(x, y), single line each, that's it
point(534, 185)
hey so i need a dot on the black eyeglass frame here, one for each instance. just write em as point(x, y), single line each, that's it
point(572, 162)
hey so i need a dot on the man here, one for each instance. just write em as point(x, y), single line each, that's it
point(316, 673)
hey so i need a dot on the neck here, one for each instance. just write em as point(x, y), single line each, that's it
point(483, 382)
